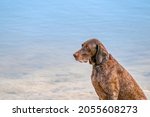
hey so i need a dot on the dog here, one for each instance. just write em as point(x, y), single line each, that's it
point(110, 80)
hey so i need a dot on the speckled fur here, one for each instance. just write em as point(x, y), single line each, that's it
point(110, 80)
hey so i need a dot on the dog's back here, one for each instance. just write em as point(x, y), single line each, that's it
point(129, 89)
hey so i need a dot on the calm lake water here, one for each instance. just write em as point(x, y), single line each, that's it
point(38, 38)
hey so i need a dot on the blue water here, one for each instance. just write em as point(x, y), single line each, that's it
point(43, 34)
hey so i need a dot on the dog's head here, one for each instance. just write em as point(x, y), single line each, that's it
point(92, 51)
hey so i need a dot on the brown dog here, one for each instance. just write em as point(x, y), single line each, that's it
point(110, 80)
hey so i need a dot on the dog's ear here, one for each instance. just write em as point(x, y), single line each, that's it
point(101, 54)
point(92, 60)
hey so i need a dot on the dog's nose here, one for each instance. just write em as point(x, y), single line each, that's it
point(75, 55)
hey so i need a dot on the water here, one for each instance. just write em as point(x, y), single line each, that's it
point(38, 38)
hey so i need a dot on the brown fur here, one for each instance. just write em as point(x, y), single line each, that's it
point(110, 80)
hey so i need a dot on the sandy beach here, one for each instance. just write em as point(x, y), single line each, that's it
point(48, 84)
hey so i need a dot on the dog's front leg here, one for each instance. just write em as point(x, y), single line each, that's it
point(113, 96)
point(112, 89)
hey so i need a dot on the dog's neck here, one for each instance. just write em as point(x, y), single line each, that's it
point(95, 65)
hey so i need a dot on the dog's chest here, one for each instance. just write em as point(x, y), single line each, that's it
point(99, 75)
